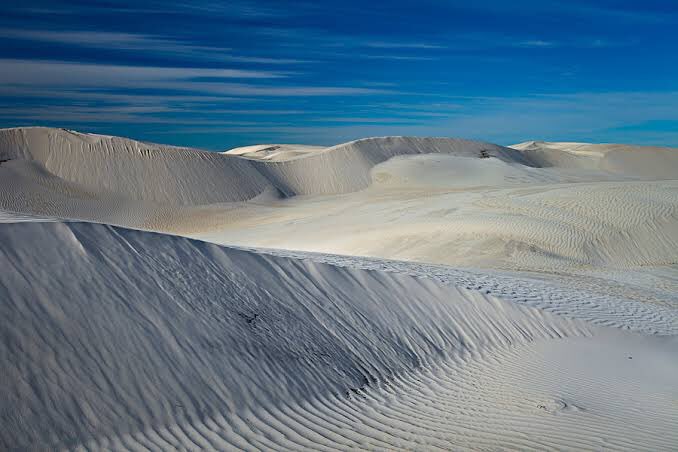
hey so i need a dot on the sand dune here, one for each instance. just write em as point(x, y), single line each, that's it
point(561, 207)
point(128, 340)
point(171, 175)
point(346, 167)
point(55, 172)
point(646, 162)
point(132, 169)
point(275, 152)
point(473, 213)
point(391, 293)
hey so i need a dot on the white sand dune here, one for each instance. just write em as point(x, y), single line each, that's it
point(123, 340)
point(647, 162)
point(430, 200)
point(275, 152)
point(473, 212)
point(390, 293)
point(132, 169)
point(346, 167)
point(56, 173)
point(171, 175)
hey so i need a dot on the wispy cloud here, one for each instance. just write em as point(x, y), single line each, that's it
point(633, 12)
point(261, 60)
point(241, 8)
point(233, 8)
point(62, 73)
point(128, 41)
point(28, 73)
point(239, 89)
point(133, 114)
point(141, 43)
point(84, 95)
point(402, 45)
point(538, 43)
point(394, 57)
point(368, 120)
point(621, 12)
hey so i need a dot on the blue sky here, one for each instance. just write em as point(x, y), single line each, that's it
point(222, 74)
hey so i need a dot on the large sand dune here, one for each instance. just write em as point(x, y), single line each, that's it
point(57, 173)
point(171, 175)
point(128, 340)
point(391, 293)
point(132, 169)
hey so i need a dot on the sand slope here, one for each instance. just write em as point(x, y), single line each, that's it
point(115, 339)
point(646, 162)
point(472, 213)
point(132, 169)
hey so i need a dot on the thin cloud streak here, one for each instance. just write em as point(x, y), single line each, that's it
point(395, 57)
point(401, 45)
point(141, 43)
point(98, 39)
point(536, 43)
point(63, 73)
point(30, 74)
point(236, 89)
point(233, 8)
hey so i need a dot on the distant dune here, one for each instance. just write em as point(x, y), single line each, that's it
point(346, 167)
point(166, 174)
point(535, 206)
point(392, 293)
point(647, 162)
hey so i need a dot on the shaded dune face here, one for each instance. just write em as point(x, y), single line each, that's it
point(121, 339)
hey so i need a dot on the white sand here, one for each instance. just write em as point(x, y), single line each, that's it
point(135, 170)
point(275, 152)
point(119, 339)
point(552, 324)
point(647, 162)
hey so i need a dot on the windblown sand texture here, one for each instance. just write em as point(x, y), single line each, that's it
point(390, 293)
